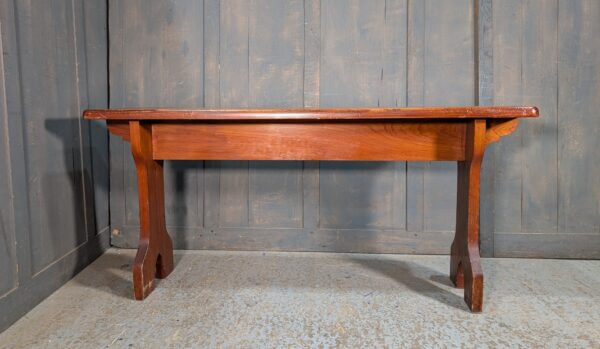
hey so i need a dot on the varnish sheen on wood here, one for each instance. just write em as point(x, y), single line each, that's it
point(369, 140)
point(401, 134)
point(313, 114)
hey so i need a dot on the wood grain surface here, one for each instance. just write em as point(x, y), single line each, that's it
point(312, 113)
point(465, 263)
point(408, 140)
point(154, 257)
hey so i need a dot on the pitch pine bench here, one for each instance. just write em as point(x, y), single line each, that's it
point(399, 134)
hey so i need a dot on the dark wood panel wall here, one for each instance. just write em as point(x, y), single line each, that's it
point(540, 195)
point(547, 188)
point(54, 217)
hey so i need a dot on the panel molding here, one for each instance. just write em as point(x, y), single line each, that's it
point(547, 245)
point(484, 95)
point(8, 239)
point(18, 40)
point(30, 292)
point(301, 239)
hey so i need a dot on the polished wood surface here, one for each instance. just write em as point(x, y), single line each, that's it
point(313, 114)
point(465, 264)
point(119, 128)
point(405, 140)
point(426, 134)
point(499, 128)
point(154, 257)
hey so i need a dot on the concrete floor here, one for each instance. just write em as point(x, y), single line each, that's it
point(256, 299)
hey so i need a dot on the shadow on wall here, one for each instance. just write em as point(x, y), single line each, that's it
point(177, 175)
point(84, 184)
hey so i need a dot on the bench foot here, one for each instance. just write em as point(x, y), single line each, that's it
point(150, 263)
point(465, 263)
point(154, 258)
point(466, 272)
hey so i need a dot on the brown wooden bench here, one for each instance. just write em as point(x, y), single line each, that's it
point(399, 134)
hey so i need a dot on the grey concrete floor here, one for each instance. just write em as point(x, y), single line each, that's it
point(304, 300)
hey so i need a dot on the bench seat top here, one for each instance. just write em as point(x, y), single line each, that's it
point(496, 112)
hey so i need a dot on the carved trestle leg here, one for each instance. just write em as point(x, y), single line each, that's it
point(154, 257)
point(465, 264)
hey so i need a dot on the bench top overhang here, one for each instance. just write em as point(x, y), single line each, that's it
point(308, 114)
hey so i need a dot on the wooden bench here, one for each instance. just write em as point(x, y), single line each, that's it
point(399, 134)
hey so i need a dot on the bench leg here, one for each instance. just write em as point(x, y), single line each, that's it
point(154, 257)
point(465, 264)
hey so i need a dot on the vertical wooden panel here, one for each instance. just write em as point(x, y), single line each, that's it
point(485, 96)
point(211, 53)
point(276, 64)
point(8, 253)
point(184, 184)
point(361, 44)
point(262, 57)
point(135, 53)
point(415, 97)
point(440, 72)
point(393, 55)
point(526, 185)
point(53, 157)
point(507, 44)
point(312, 52)
point(448, 80)
point(233, 195)
point(275, 194)
point(352, 53)
point(276, 53)
point(539, 142)
point(233, 40)
point(212, 94)
point(90, 44)
point(357, 195)
point(311, 89)
point(117, 147)
point(49, 56)
point(182, 63)
point(578, 113)
point(545, 53)
point(234, 87)
point(162, 64)
point(15, 148)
